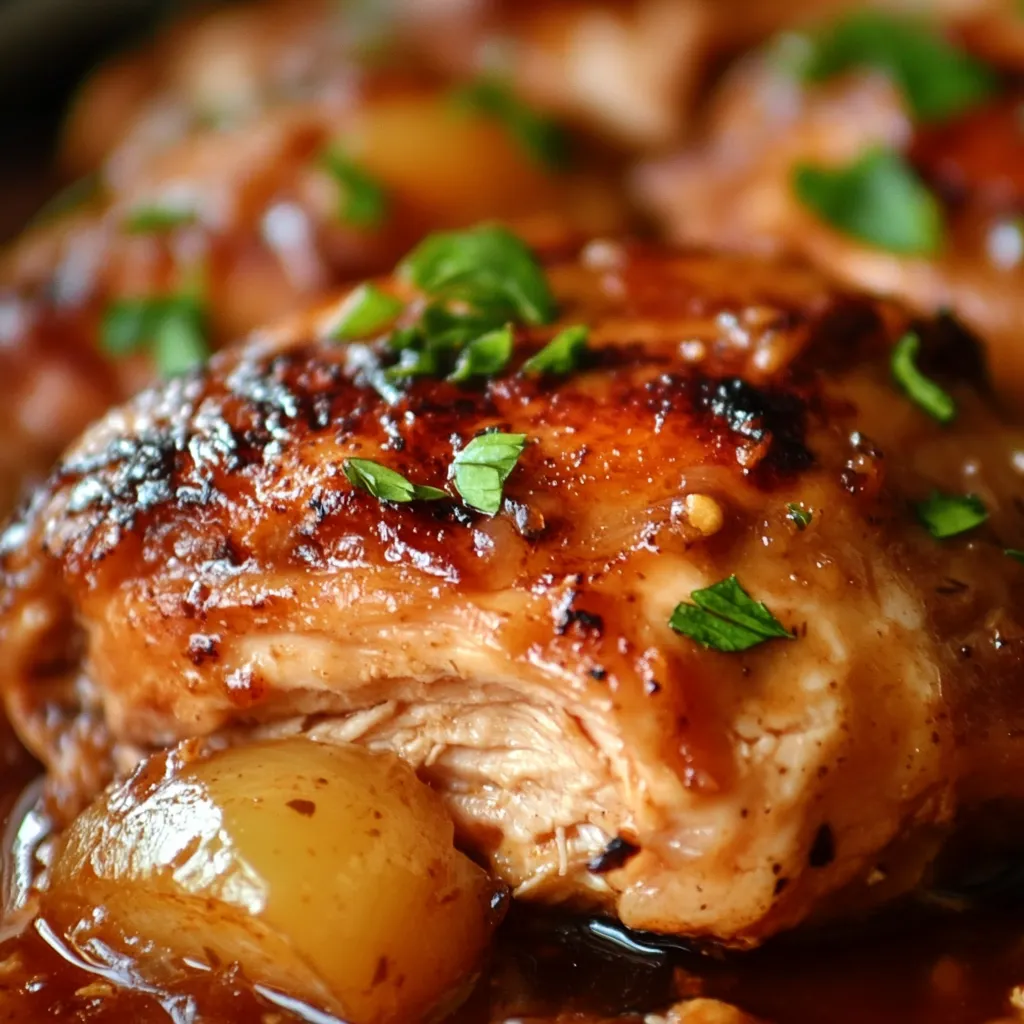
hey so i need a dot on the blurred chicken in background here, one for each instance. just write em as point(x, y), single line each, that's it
point(254, 155)
point(882, 147)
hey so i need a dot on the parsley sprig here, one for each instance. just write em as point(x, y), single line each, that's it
point(878, 199)
point(387, 484)
point(172, 328)
point(482, 467)
point(923, 391)
point(938, 79)
point(563, 354)
point(487, 267)
point(478, 471)
point(949, 515)
point(541, 137)
point(478, 285)
point(362, 202)
point(724, 617)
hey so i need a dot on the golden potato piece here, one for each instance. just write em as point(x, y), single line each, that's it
point(326, 872)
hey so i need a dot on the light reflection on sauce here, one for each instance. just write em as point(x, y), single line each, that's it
point(956, 969)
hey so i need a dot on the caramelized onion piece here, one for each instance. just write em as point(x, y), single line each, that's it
point(704, 1011)
point(327, 872)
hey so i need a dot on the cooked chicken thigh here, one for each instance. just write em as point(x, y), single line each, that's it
point(191, 242)
point(625, 71)
point(202, 563)
point(772, 121)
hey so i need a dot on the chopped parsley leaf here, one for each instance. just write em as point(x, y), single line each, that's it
point(561, 355)
point(542, 138)
point(386, 484)
point(924, 392)
point(482, 467)
point(938, 79)
point(878, 199)
point(724, 617)
point(487, 267)
point(172, 328)
point(799, 515)
point(447, 329)
point(948, 515)
point(415, 362)
point(363, 202)
point(478, 284)
point(365, 311)
point(156, 218)
point(484, 355)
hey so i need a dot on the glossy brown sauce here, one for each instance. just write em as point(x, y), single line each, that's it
point(953, 972)
point(918, 964)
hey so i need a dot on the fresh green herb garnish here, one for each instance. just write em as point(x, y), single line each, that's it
point(364, 312)
point(482, 467)
point(877, 199)
point(485, 355)
point(415, 362)
point(155, 218)
point(180, 345)
point(922, 391)
point(799, 515)
point(540, 136)
point(385, 483)
point(457, 346)
point(448, 329)
point(947, 515)
point(364, 203)
point(724, 617)
point(172, 328)
point(1014, 553)
point(938, 79)
point(791, 53)
point(478, 284)
point(486, 267)
point(561, 355)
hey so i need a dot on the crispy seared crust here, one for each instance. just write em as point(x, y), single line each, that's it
point(225, 578)
point(234, 132)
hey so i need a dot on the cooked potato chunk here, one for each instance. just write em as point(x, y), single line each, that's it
point(326, 872)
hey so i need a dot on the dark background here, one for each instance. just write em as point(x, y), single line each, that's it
point(46, 48)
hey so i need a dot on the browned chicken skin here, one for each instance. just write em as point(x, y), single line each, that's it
point(227, 115)
point(264, 228)
point(199, 565)
point(733, 188)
